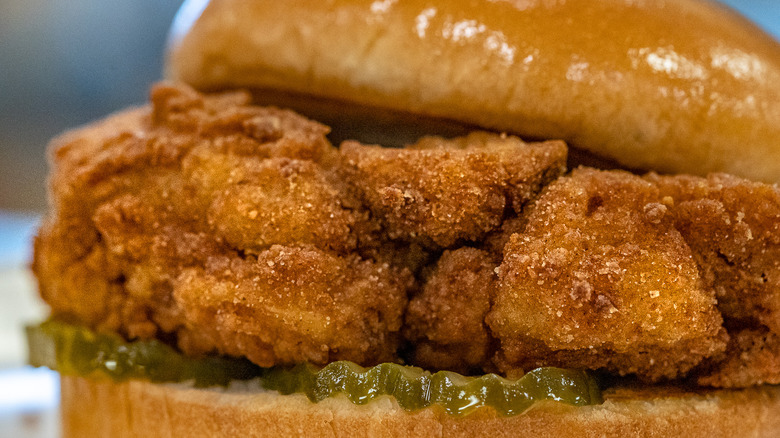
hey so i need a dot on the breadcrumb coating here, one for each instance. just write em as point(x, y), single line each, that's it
point(446, 321)
point(150, 204)
point(601, 277)
point(733, 228)
point(752, 358)
point(223, 227)
point(291, 305)
point(440, 192)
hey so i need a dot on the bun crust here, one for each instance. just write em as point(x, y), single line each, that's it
point(681, 86)
point(142, 409)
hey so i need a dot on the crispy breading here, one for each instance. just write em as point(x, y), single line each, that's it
point(224, 227)
point(440, 192)
point(600, 277)
point(293, 305)
point(752, 358)
point(495, 242)
point(147, 202)
point(445, 322)
point(733, 226)
point(281, 201)
point(236, 127)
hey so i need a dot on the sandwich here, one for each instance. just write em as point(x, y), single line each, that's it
point(354, 218)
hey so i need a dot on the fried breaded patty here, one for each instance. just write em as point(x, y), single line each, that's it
point(606, 270)
point(600, 278)
point(446, 321)
point(440, 192)
point(228, 228)
point(217, 224)
point(733, 227)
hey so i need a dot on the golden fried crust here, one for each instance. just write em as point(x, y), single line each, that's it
point(293, 305)
point(529, 166)
point(736, 242)
point(238, 128)
point(752, 358)
point(226, 227)
point(149, 205)
point(281, 201)
point(664, 228)
point(446, 321)
point(601, 278)
point(439, 192)
point(733, 227)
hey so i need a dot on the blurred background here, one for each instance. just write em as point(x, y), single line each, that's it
point(63, 64)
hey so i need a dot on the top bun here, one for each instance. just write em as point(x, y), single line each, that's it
point(684, 86)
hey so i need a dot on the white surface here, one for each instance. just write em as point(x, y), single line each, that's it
point(42, 424)
point(28, 397)
point(27, 389)
point(19, 305)
point(19, 301)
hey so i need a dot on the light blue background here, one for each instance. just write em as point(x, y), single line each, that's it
point(764, 12)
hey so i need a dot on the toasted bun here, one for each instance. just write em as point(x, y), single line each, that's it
point(142, 409)
point(675, 86)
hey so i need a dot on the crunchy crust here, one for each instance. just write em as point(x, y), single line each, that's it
point(142, 409)
point(237, 229)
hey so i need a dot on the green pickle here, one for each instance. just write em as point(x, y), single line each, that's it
point(414, 388)
point(75, 350)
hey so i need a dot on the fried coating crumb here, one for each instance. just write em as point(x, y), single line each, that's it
point(293, 305)
point(439, 192)
point(146, 204)
point(446, 321)
point(495, 242)
point(752, 358)
point(601, 278)
point(281, 201)
point(733, 227)
point(225, 227)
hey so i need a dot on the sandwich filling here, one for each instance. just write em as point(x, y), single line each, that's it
point(222, 228)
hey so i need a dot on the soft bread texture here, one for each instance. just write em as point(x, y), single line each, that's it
point(674, 86)
point(142, 409)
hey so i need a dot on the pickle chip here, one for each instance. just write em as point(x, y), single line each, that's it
point(415, 389)
point(75, 350)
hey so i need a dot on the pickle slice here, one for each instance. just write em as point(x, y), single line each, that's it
point(75, 350)
point(415, 389)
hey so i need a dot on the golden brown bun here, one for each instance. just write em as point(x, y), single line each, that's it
point(141, 409)
point(675, 86)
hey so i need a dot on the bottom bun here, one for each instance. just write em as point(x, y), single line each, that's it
point(143, 409)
